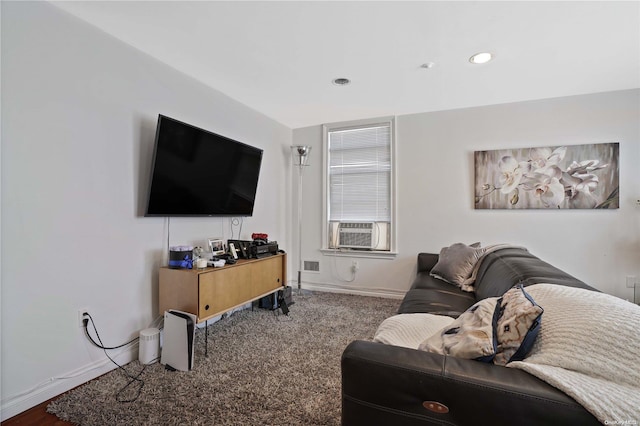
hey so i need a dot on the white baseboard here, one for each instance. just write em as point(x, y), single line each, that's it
point(55, 386)
point(346, 289)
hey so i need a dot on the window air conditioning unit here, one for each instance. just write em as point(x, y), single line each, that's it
point(360, 235)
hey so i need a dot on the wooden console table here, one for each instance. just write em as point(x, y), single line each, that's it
point(209, 292)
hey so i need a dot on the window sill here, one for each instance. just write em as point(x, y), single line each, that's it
point(371, 254)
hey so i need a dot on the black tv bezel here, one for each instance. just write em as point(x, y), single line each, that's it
point(153, 166)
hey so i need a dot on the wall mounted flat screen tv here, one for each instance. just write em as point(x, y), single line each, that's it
point(199, 173)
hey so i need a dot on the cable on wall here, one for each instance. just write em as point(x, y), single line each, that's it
point(132, 378)
point(236, 221)
point(168, 239)
point(335, 267)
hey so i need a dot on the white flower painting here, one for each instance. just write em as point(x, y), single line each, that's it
point(563, 177)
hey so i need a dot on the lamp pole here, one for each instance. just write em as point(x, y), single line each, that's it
point(300, 263)
point(300, 155)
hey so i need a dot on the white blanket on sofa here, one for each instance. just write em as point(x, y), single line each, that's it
point(589, 348)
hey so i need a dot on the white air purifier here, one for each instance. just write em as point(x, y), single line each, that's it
point(149, 346)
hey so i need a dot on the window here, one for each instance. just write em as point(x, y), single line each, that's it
point(359, 186)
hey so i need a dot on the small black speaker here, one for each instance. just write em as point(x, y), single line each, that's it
point(276, 300)
point(285, 295)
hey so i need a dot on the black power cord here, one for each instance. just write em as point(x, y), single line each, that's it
point(133, 379)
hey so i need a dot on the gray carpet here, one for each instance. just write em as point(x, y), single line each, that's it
point(262, 369)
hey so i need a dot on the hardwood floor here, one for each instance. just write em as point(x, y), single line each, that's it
point(36, 416)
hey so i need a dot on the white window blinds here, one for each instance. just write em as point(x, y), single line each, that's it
point(360, 174)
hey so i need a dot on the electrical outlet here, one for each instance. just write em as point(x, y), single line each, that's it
point(82, 314)
point(355, 266)
point(631, 281)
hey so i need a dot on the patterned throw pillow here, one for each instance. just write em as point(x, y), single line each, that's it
point(518, 325)
point(470, 336)
point(456, 263)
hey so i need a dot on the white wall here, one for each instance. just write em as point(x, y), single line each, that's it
point(436, 202)
point(79, 111)
point(78, 118)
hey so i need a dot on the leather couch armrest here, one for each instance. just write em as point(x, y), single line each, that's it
point(384, 384)
point(426, 261)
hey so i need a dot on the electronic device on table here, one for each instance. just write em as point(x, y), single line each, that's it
point(196, 172)
point(246, 249)
point(263, 250)
point(243, 248)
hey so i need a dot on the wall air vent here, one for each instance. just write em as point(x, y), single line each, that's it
point(311, 266)
point(359, 235)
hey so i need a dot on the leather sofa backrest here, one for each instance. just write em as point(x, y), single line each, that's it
point(426, 261)
point(502, 269)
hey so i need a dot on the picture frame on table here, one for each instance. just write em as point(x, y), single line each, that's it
point(216, 245)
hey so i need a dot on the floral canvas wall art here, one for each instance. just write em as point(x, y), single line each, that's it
point(560, 177)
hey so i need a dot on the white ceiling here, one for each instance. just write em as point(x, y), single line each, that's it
point(280, 57)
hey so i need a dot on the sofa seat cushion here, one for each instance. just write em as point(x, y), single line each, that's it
point(446, 300)
point(409, 330)
point(425, 280)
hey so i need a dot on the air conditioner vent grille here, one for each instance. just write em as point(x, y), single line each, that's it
point(356, 235)
point(356, 225)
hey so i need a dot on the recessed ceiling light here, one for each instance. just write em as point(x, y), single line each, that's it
point(481, 58)
point(341, 81)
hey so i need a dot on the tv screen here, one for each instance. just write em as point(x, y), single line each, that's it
point(199, 173)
